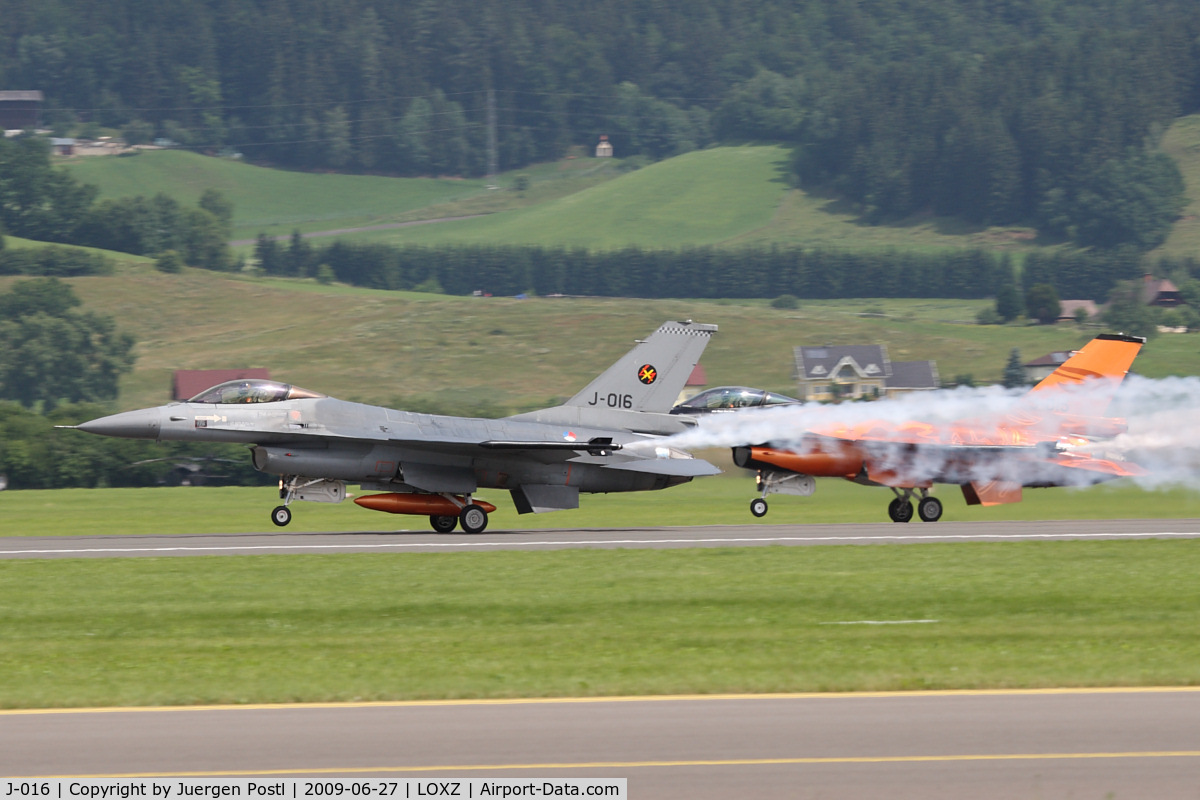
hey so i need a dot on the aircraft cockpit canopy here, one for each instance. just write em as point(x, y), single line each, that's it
point(252, 390)
point(731, 398)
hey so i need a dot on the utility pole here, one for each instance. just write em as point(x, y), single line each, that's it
point(491, 139)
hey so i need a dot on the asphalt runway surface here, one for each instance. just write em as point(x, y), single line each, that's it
point(754, 535)
point(1056, 743)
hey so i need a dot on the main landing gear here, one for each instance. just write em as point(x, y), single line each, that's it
point(929, 508)
point(472, 519)
point(443, 523)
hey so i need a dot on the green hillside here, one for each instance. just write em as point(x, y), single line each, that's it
point(17, 243)
point(1182, 142)
point(269, 200)
point(498, 355)
point(703, 197)
point(727, 196)
point(724, 195)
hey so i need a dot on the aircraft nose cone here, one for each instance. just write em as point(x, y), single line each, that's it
point(142, 424)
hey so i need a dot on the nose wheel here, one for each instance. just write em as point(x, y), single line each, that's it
point(758, 507)
point(281, 515)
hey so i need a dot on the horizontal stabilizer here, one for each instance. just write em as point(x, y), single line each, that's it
point(678, 467)
point(1100, 466)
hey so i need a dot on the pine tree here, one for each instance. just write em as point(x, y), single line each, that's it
point(1014, 373)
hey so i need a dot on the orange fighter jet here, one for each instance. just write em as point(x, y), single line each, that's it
point(1043, 439)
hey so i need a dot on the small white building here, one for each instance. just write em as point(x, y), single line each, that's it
point(604, 149)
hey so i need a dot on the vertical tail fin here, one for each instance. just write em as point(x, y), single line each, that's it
point(651, 375)
point(1100, 366)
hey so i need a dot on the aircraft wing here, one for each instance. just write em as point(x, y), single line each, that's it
point(596, 450)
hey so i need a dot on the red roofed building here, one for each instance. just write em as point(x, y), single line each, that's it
point(188, 383)
point(697, 380)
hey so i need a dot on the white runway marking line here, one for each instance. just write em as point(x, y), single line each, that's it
point(883, 622)
point(585, 543)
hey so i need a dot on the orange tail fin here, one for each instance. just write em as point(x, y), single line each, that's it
point(1106, 358)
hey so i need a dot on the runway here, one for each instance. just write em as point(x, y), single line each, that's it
point(1054, 743)
point(759, 535)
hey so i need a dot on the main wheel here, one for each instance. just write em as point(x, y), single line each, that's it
point(929, 509)
point(281, 515)
point(900, 510)
point(443, 523)
point(758, 507)
point(473, 519)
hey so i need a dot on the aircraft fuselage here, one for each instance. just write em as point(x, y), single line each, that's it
point(358, 443)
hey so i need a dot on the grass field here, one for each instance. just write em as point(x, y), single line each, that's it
point(367, 627)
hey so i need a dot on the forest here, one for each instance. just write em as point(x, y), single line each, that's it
point(1044, 112)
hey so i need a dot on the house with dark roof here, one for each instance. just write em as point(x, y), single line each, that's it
point(1160, 292)
point(1042, 366)
point(1069, 308)
point(858, 370)
point(20, 110)
point(913, 376)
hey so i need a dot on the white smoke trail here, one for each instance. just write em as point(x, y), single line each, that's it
point(1162, 436)
point(1164, 430)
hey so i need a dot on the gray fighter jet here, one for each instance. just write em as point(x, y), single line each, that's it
point(432, 465)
